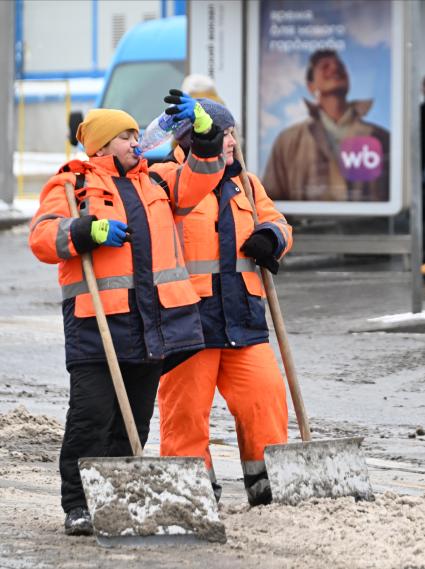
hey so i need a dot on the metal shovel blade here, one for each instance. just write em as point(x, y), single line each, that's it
point(328, 468)
point(150, 500)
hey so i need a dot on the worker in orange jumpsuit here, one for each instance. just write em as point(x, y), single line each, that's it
point(126, 224)
point(222, 247)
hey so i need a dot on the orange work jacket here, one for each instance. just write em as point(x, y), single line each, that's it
point(150, 280)
point(212, 236)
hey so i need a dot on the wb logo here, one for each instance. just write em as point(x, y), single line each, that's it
point(361, 158)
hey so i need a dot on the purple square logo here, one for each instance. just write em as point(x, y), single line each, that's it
point(361, 158)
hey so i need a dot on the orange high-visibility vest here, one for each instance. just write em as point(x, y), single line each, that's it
point(51, 242)
point(209, 250)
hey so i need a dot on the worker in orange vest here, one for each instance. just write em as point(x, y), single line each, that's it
point(127, 226)
point(222, 248)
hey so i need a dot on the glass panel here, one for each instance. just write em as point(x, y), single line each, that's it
point(140, 87)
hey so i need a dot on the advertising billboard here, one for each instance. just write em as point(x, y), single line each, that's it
point(328, 90)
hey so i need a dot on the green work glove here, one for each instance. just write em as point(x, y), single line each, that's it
point(109, 232)
point(203, 121)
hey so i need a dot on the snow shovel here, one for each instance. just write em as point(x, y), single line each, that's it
point(323, 468)
point(142, 500)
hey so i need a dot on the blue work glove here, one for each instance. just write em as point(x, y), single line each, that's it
point(186, 107)
point(109, 232)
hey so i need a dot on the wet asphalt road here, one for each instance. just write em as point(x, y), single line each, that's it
point(362, 383)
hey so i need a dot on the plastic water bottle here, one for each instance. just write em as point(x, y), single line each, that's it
point(160, 130)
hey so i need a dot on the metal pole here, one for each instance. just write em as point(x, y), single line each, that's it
point(7, 60)
point(21, 140)
point(413, 160)
point(67, 115)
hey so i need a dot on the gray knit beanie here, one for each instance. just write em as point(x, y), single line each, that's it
point(220, 115)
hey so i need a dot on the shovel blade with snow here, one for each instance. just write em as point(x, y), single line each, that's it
point(327, 468)
point(150, 500)
point(139, 500)
point(334, 467)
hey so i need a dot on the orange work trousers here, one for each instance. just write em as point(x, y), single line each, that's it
point(250, 381)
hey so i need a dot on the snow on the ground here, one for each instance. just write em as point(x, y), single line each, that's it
point(322, 532)
point(21, 208)
point(27, 207)
point(393, 318)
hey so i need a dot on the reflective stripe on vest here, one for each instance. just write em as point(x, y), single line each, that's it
point(170, 275)
point(107, 283)
point(110, 283)
point(62, 248)
point(212, 267)
point(202, 167)
point(284, 226)
point(43, 218)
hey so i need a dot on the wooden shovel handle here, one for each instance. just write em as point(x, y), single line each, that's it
point(276, 313)
point(105, 334)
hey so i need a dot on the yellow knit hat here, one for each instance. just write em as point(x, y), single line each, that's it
point(102, 125)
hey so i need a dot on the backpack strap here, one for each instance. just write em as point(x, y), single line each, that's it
point(156, 179)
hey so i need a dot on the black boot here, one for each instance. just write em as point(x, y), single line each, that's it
point(217, 489)
point(258, 490)
point(78, 522)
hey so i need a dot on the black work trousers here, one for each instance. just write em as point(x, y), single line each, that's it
point(94, 425)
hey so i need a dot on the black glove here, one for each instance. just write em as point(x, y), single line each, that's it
point(81, 234)
point(269, 263)
point(261, 246)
